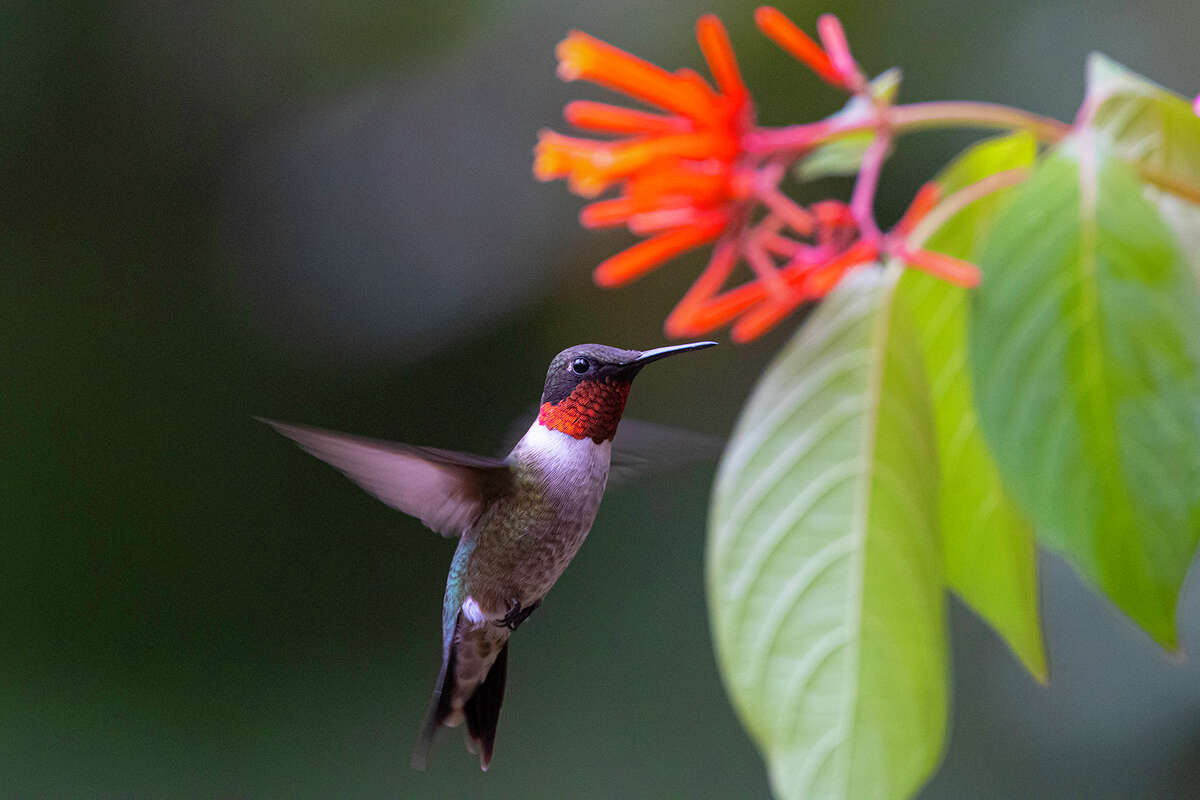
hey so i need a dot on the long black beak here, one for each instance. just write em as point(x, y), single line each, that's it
point(662, 352)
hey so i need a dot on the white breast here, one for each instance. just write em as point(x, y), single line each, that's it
point(568, 463)
point(572, 474)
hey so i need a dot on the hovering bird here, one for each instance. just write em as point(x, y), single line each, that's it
point(521, 519)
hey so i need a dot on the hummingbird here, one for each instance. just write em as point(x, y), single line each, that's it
point(520, 520)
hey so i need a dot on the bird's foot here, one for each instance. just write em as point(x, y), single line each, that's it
point(516, 614)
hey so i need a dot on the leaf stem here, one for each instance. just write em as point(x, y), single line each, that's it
point(965, 113)
point(902, 119)
point(1168, 183)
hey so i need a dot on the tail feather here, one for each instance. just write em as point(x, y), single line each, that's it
point(439, 709)
point(483, 709)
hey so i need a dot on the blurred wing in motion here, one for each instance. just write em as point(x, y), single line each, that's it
point(642, 448)
point(445, 490)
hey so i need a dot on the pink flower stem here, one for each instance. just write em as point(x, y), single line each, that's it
point(968, 114)
point(780, 245)
point(903, 119)
point(782, 206)
point(833, 38)
point(862, 201)
point(796, 139)
point(764, 268)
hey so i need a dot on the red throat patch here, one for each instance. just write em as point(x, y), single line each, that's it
point(591, 411)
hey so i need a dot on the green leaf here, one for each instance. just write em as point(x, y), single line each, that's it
point(1158, 131)
point(1183, 218)
point(1085, 350)
point(824, 586)
point(988, 550)
point(844, 156)
point(1153, 128)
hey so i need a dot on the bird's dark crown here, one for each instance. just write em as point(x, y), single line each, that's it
point(588, 362)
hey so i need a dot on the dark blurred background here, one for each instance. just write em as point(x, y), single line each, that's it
point(324, 212)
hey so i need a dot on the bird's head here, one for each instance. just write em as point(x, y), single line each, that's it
point(587, 385)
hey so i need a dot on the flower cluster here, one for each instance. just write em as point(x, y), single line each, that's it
point(679, 178)
point(697, 172)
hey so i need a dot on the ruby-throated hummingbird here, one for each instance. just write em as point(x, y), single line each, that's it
point(521, 520)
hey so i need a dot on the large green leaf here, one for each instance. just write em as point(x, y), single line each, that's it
point(1183, 218)
point(1153, 128)
point(1085, 349)
point(1158, 131)
point(823, 575)
point(988, 550)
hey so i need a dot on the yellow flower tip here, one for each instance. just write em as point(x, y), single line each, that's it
point(586, 183)
point(550, 161)
point(602, 159)
point(574, 54)
point(568, 72)
point(547, 168)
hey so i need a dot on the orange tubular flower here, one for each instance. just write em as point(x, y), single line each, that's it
point(689, 175)
point(790, 38)
point(811, 272)
point(675, 170)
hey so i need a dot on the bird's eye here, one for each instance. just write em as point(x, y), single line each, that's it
point(580, 366)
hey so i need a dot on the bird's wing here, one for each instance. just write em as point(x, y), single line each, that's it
point(445, 490)
point(640, 448)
